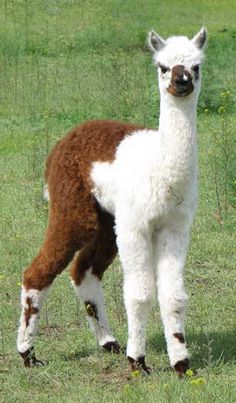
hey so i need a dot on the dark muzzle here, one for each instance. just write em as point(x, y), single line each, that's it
point(181, 82)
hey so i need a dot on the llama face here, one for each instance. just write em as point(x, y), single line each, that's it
point(178, 61)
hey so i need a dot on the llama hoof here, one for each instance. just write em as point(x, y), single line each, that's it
point(181, 367)
point(30, 360)
point(139, 364)
point(112, 347)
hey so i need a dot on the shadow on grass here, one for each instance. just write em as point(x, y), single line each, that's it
point(86, 352)
point(212, 348)
point(78, 355)
point(207, 348)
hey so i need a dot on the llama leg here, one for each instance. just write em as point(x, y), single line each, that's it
point(86, 274)
point(135, 250)
point(171, 252)
point(31, 303)
point(57, 251)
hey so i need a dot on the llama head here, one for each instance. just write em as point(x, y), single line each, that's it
point(178, 61)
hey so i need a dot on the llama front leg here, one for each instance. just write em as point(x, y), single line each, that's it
point(135, 250)
point(171, 252)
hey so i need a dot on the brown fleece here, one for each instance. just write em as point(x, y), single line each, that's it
point(75, 219)
point(31, 310)
point(99, 252)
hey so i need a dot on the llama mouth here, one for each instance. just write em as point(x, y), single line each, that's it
point(182, 91)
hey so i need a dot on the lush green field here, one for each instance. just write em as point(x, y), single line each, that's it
point(65, 61)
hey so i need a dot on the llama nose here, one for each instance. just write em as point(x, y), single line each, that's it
point(182, 80)
point(180, 76)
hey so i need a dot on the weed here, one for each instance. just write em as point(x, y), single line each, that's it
point(222, 157)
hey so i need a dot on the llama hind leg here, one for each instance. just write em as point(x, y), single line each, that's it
point(53, 257)
point(86, 274)
point(171, 251)
point(31, 302)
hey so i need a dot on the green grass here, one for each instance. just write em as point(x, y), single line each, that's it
point(65, 61)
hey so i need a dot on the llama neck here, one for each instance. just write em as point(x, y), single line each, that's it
point(177, 128)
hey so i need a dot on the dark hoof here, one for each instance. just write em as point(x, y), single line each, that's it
point(181, 367)
point(30, 360)
point(112, 347)
point(139, 364)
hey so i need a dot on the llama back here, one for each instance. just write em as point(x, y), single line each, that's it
point(96, 140)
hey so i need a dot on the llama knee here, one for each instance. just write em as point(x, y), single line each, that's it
point(139, 287)
point(37, 280)
point(138, 303)
point(179, 303)
point(173, 305)
point(41, 273)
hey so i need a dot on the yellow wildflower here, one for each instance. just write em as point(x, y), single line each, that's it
point(136, 373)
point(198, 381)
point(189, 372)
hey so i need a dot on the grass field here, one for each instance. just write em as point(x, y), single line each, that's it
point(66, 61)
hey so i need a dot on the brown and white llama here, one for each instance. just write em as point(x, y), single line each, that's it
point(117, 186)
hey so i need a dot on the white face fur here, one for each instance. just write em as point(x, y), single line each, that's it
point(178, 61)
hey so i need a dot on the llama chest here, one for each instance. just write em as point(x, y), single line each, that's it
point(154, 199)
point(141, 184)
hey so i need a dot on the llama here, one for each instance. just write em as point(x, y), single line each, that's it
point(120, 187)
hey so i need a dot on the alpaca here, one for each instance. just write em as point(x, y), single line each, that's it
point(120, 187)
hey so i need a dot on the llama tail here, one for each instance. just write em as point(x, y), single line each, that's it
point(46, 195)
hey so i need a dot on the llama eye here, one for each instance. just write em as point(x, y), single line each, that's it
point(163, 68)
point(196, 68)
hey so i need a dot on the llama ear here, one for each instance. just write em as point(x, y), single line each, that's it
point(199, 40)
point(155, 42)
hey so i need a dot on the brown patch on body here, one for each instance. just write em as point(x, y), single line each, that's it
point(96, 140)
point(178, 86)
point(180, 337)
point(30, 310)
point(99, 252)
point(75, 220)
point(91, 309)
